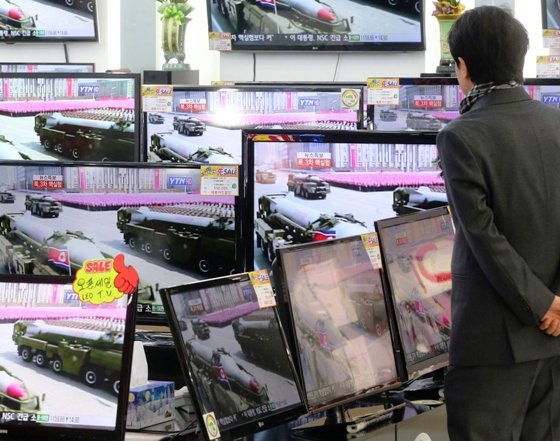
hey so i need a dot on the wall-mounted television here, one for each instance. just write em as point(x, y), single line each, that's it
point(416, 252)
point(306, 185)
point(550, 14)
point(205, 123)
point(47, 67)
point(65, 363)
point(333, 297)
point(78, 116)
point(55, 216)
point(234, 355)
point(49, 21)
point(311, 25)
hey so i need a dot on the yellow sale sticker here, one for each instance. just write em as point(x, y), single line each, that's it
point(219, 180)
point(263, 289)
point(104, 280)
point(371, 244)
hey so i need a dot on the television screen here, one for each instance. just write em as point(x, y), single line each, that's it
point(310, 25)
point(234, 356)
point(305, 186)
point(55, 216)
point(64, 363)
point(338, 319)
point(425, 104)
point(205, 123)
point(47, 67)
point(416, 251)
point(550, 14)
point(48, 21)
point(78, 116)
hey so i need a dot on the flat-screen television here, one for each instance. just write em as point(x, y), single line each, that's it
point(205, 123)
point(234, 355)
point(422, 104)
point(77, 116)
point(49, 21)
point(550, 14)
point(311, 185)
point(65, 363)
point(416, 252)
point(427, 104)
point(55, 216)
point(311, 25)
point(333, 297)
point(47, 67)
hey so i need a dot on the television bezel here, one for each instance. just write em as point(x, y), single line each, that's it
point(136, 78)
point(286, 315)
point(142, 317)
point(430, 365)
point(238, 431)
point(314, 47)
point(19, 432)
point(62, 39)
point(51, 66)
point(328, 136)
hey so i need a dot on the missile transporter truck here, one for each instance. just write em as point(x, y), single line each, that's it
point(92, 352)
point(290, 17)
point(7, 197)
point(42, 205)
point(409, 200)
point(308, 186)
point(83, 137)
point(175, 148)
point(282, 221)
point(29, 246)
point(198, 236)
point(188, 125)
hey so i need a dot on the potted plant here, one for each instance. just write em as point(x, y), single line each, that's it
point(446, 12)
point(174, 18)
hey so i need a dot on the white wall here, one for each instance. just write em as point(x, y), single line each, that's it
point(275, 66)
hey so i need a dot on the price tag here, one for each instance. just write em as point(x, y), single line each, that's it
point(551, 38)
point(261, 284)
point(383, 91)
point(371, 244)
point(219, 180)
point(219, 41)
point(104, 280)
point(548, 66)
point(157, 98)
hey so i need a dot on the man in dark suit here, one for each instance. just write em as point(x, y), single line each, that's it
point(501, 164)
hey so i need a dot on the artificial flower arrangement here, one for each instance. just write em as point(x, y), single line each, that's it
point(178, 10)
point(448, 7)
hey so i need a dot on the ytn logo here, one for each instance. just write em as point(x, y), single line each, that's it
point(87, 89)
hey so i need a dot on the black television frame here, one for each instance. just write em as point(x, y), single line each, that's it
point(322, 136)
point(234, 14)
point(412, 370)
point(45, 67)
point(85, 6)
point(135, 155)
point(236, 431)
point(145, 314)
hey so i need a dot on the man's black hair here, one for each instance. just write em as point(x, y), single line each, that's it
point(492, 43)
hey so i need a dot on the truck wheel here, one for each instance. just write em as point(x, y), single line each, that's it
point(204, 266)
point(132, 242)
point(76, 153)
point(417, 6)
point(148, 247)
point(90, 6)
point(115, 386)
point(393, 2)
point(26, 354)
point(70, 3)
point(90, 376)
point(48, 144)
point(56, 365)
point(41, 359)
point(167, 254)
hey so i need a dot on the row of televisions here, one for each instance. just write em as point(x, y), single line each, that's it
point(97, 116)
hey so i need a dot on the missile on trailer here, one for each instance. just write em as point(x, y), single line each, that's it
point(311, 8)
point(10, 386)
point(57, 119)
point(144, 214)
point(79, 247)
point(56, 333)
point(178, 148)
